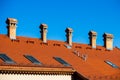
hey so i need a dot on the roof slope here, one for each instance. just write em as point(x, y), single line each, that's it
point(85, 60)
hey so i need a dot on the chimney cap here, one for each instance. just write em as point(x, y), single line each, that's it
point(43, 26)
point(69, 29)
point(92, 33)
point(11, 20)
point(107, 35)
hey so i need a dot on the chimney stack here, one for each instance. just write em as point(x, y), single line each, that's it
point(108, 41)
point(69, 35)
point(11, 26)
point(43, 31)
point(92, 37)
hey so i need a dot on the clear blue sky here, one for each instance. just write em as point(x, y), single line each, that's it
point(81, 15)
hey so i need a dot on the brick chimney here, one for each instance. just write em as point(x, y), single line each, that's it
point(92, 38)
point(108, 41)
point(43, 31)
point(69, 35)
point(11, 26)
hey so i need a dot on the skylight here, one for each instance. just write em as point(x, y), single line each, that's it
point(111, 64)
point(32, 59)
point(60, 60)
point(6, 59)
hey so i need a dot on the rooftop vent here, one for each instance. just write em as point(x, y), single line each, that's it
point(88, 48)
point(76, 53)
point(56, 44)
point(28, 41)
point(44, 44)
point(15, 40)
point(78, 47)
point(98, 49)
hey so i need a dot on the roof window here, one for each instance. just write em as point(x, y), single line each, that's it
point(6, 59)
point(60, 60)
point(111, 64)
point(32, 59)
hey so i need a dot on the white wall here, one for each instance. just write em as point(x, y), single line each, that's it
point(33, 77)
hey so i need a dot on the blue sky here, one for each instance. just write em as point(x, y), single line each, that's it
point(81, 15)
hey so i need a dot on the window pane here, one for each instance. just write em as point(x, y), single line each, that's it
point(32, 59)
point(60, 60)
point(111, 64)
point(6, 59)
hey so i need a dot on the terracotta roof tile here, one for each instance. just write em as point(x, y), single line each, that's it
point(94, 64)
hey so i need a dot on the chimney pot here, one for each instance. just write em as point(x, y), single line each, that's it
point(92, 37)
point(108, 41)
point(69, 35)
point(11, 27)
point(43, 28)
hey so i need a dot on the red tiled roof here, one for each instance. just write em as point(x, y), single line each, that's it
point(93, 67)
